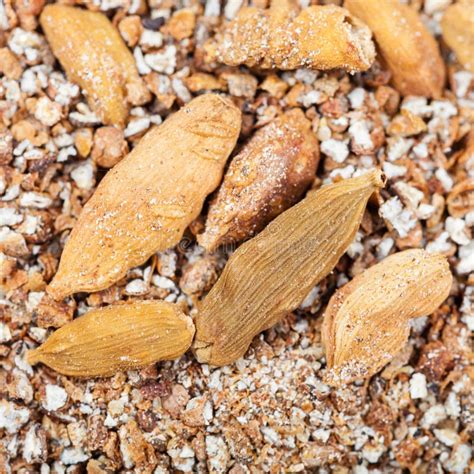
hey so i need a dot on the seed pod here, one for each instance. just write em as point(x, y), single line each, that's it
point(268, 176)
point(408, 48)
point(118, 337)
point(144, 204)
point(94, 56)
point(367, 320)
point(271, 274)
point(457, 26)
point(319, 37)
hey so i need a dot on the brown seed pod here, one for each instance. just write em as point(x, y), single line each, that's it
point(271, 274)
point(144, 204)
point(94, 56)
point(118, 337)
point(367, 320)
point(318, 37)
point(269, 175)
point(408, 48)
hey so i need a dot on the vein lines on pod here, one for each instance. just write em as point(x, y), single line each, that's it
point(367, 320)
point(118, 337)
point(144, 204)
point(271, 274)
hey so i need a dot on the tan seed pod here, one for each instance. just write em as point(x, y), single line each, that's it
point(317, 37)
point(270, 275)
point(144, 204)
point(269, 175)
point(118, 337)
point(408, 48)
point(94, 56)
point(457, 26)
point(367, 320)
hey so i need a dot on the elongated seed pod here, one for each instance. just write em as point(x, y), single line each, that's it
point(269, 175)
point(94, 56)
point(144, 204)
point(118, 337)
point(457, 26)
point(408, 48)
point(367, 320)
point(271, 274)
point(317, 37)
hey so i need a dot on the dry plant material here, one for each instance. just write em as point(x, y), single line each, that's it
point(317, 37)
point(457, 26)
point(367, 320)
point(406, 124)
point(407, 47)
point(270, 275)
point(460, 200)
point(269, 175)
point(118, 337)
point(94, 56)
point(144, 204)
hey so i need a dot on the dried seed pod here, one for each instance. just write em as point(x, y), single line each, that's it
point(144, 204)
point(268, 176)
point(94, 55)
point(271, 274)
point(457, 26)
point(408, 48)
point(367, 320)
point(118, 337)
point(460, 200)
point(318, 37)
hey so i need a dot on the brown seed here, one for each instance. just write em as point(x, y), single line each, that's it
point(271, 274)
point(144, 204)
point(408, 48)
point(367, 320)
point(268, 176)
point(118, 337)
point(94, 55)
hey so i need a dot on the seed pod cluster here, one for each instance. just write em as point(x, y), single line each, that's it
point(271, 274)
point(118, 337)
point(144, 204)
point(269, 175)
point(367, 320)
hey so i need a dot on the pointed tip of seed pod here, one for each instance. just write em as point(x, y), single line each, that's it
point(33, 356)
point(378, 178)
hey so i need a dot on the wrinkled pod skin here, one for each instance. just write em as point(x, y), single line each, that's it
point(270, 275)
point(367, 320)
point(118, 337)
point(144, 204)
point(270, 174)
